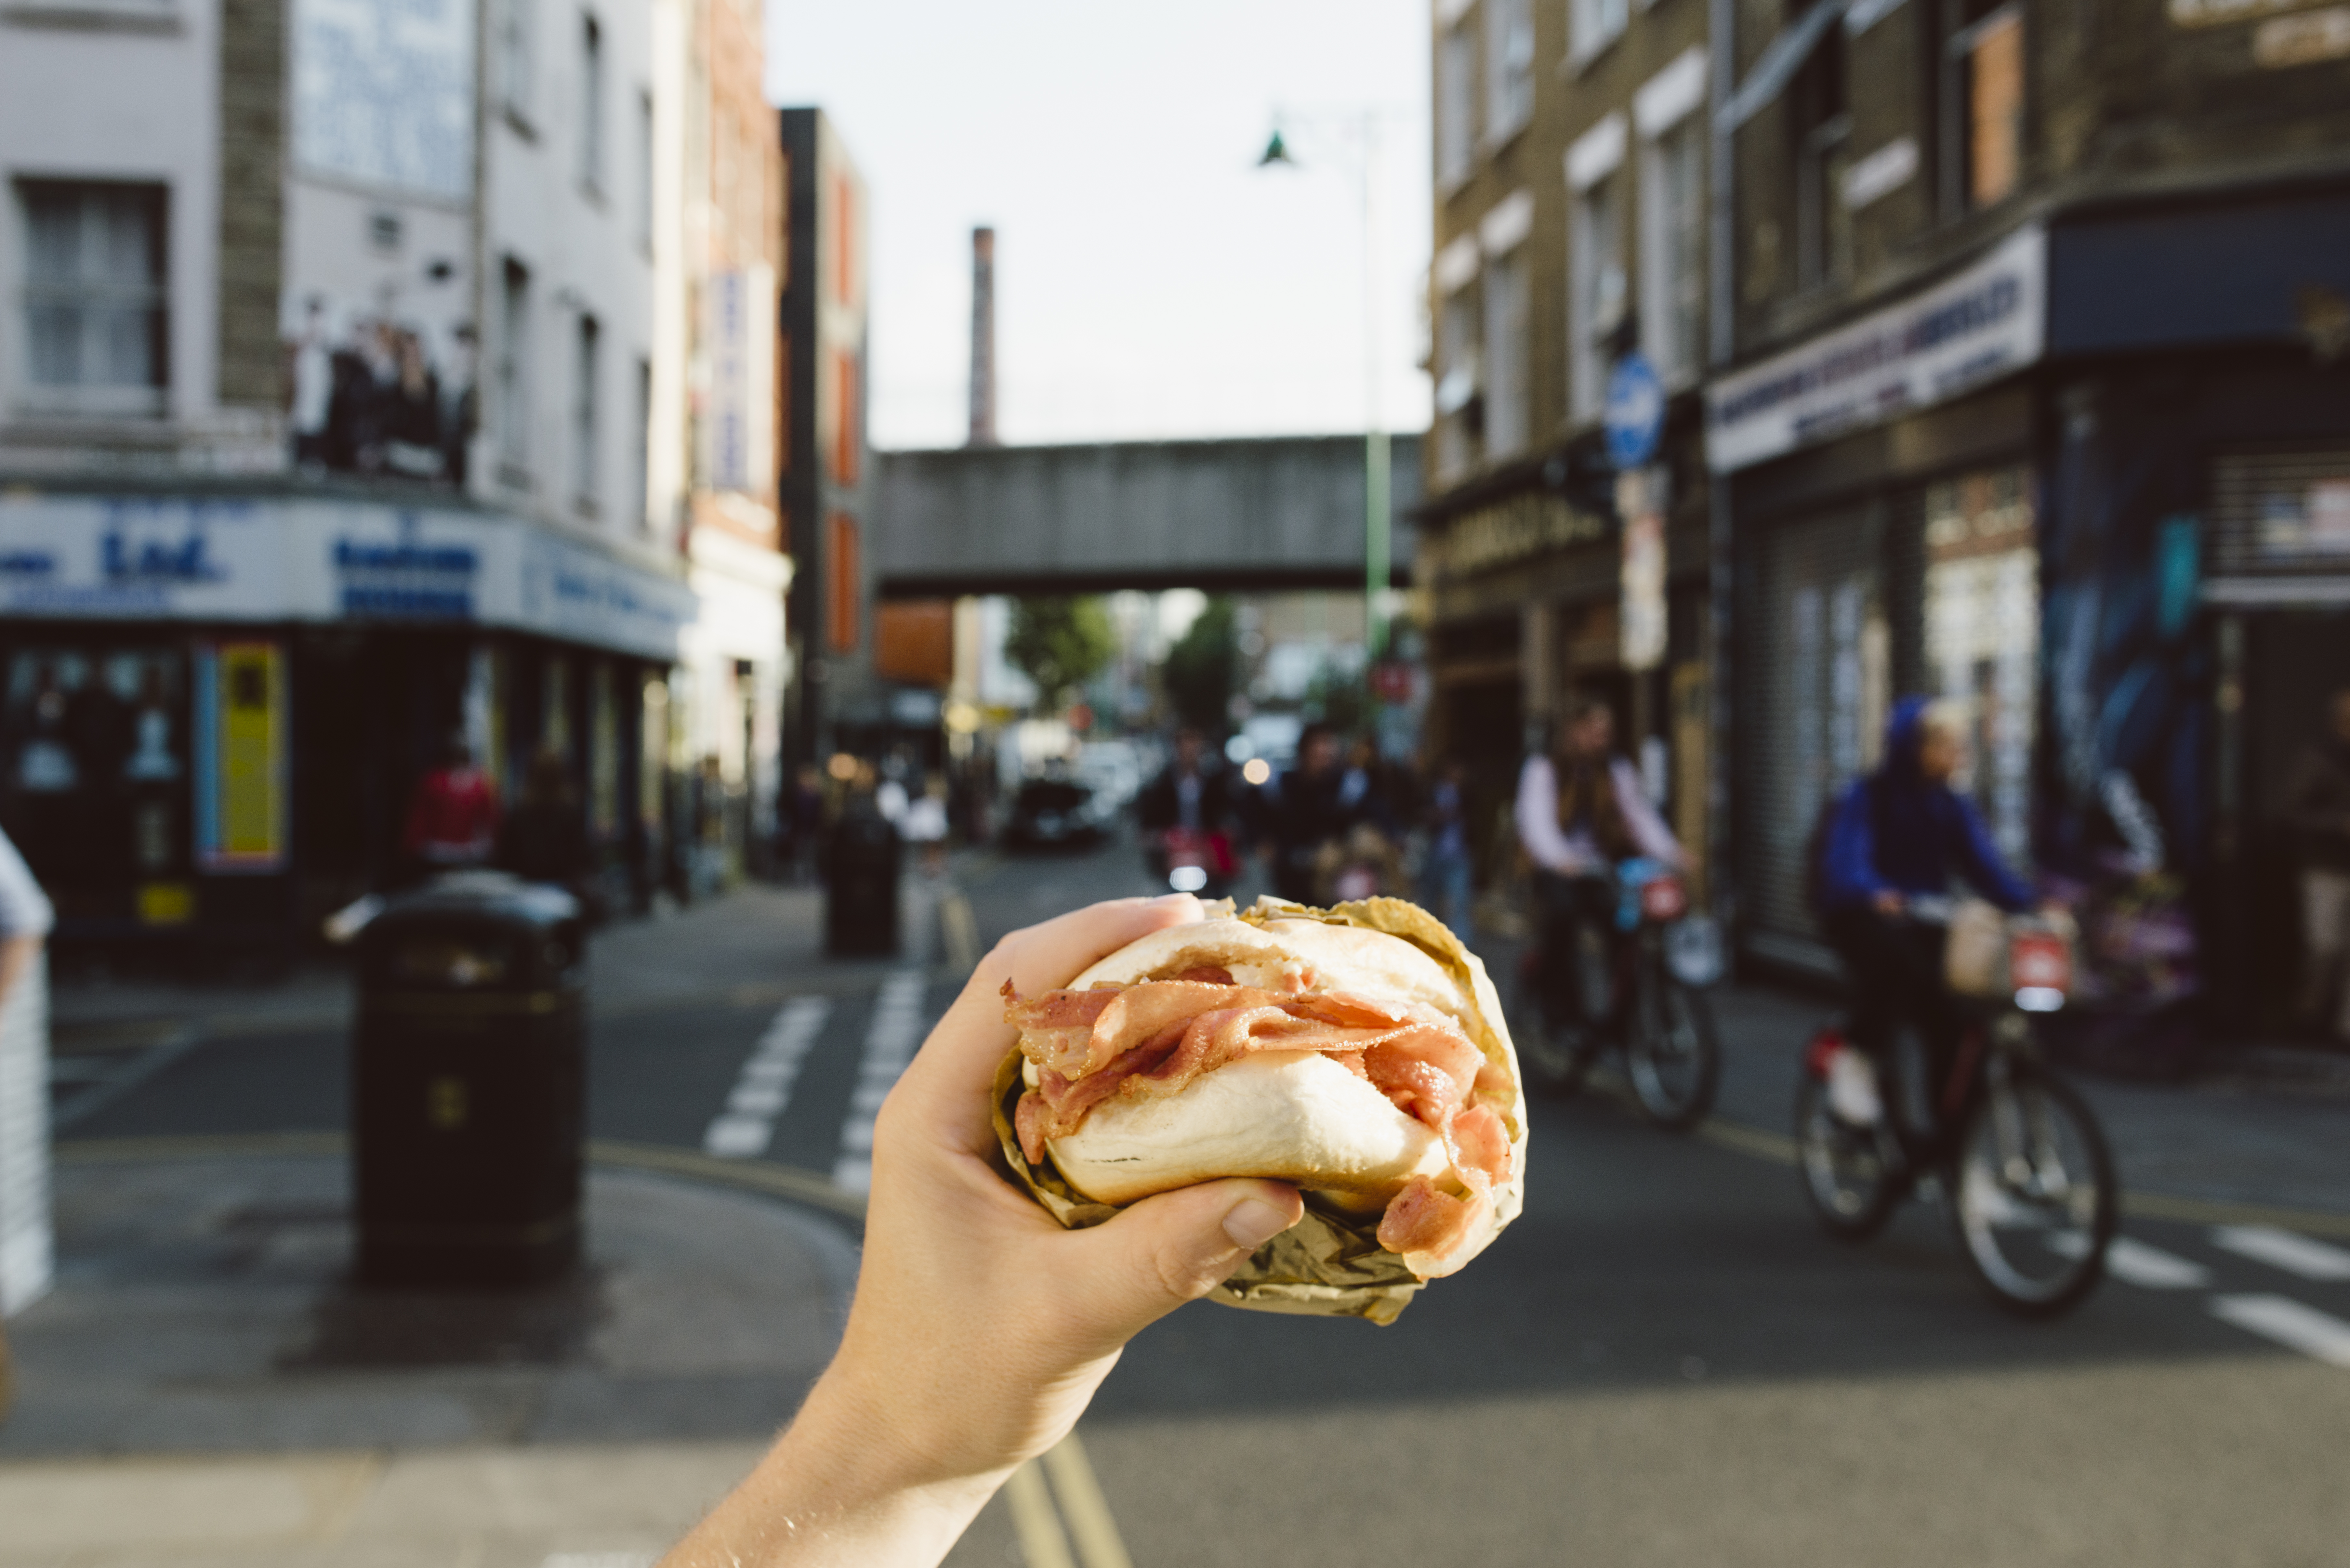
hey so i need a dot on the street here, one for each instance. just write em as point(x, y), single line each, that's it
point(1663, 1361)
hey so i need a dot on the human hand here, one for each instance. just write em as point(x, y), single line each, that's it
point(981, 1327)
point(1889, 903)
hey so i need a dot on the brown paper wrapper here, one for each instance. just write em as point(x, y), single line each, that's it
point(1329, 1264)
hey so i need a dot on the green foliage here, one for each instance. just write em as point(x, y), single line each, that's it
point(1060, 644)
point(1203, 670)
point(1341, 700)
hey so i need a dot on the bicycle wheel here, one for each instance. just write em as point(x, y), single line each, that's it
point(1556, 1059)
point(1671, 1054)
point(2035, 1198)
point(1851, 1176)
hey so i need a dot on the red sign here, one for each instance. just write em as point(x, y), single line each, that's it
point(1391, 680)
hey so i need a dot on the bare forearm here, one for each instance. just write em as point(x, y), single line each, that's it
point(837, 1489)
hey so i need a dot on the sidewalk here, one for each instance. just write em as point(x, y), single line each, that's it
point(203, 1387)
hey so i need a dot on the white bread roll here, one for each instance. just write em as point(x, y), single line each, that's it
point(1342, 958)
point(1291, 1115)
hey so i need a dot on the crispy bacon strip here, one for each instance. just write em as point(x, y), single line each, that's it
point(1428, 1226)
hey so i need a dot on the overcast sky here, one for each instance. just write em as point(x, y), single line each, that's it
point(1151, 280)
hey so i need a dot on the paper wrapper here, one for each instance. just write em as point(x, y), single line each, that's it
point(1329, 1264)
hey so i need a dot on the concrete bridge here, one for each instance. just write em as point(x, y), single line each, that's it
point(1268, 513)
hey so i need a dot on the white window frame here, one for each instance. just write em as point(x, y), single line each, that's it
point(93, 296)
point(587, 414)
point(1665, 111)
point(511, 369)
point(1508, 27)
point(1595, 226)
point(516, 59)
point(1507, 309)
point(1592, 26)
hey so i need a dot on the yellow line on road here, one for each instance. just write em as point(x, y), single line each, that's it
point(1042, 1543)
point(1083, 1505)
point(961, 928)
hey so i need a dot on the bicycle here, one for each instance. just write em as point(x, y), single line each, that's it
point(2028, 1180)
point(1637, 1005)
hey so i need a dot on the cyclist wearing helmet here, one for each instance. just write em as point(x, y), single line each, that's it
point(1898, 834)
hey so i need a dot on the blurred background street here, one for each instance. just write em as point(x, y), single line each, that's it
point(566, 568)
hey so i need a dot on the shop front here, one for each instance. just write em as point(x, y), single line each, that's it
point(215, 710)
point(2094, 485)
point(1530, 599)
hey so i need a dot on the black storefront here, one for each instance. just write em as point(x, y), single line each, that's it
point(2126, 546)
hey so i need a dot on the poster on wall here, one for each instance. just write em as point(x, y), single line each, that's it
point(1983, 637)
point(241, 756)
point(383, 94)
point(382, 390)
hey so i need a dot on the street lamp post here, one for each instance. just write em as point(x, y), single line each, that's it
point(1377, 473)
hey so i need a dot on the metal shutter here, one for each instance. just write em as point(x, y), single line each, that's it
point(2278, 518)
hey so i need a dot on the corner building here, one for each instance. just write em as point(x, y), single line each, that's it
point(2034, 398)
point(325, 391)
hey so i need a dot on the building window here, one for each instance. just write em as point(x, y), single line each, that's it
point(585, 449)
point(843, 576)
point(1672, 289)
point(1596, 279)
point(513, 374)
point(641, 479)
point(1456, 104)
point(97, 318)
point(514, 56)
point(1596, 24)
point(591, 104)
point(1460, 408)
point(846, 450)
point(1509, 68)
point(1985, 59)
point(1820, 106)
point(645, 170)
point(1506, 422)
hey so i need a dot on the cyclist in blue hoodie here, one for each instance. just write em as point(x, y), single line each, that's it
point(1902, 832)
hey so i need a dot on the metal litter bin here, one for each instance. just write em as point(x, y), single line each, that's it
point(468, 1085)
point(860, 887)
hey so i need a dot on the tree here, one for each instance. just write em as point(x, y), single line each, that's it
point(1060, 644)
point(1203, 669)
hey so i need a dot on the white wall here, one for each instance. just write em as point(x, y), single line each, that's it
point(584, 256)
point(115, 103)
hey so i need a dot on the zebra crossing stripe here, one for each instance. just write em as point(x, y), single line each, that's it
point(2320, 1335)
point(763, 1088)
point(2295, 1254)
point(890, 1043)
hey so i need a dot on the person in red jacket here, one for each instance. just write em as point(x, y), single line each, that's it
point(452, 821)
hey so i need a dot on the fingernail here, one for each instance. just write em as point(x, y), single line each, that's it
point(1252, 1223)
point(1169, 899)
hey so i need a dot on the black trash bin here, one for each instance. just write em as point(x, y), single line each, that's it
point(860, 887)
point(468, 1085)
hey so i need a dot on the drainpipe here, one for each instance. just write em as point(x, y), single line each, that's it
point(1722, 47)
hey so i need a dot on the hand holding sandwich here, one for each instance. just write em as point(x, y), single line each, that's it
point(981, 1327)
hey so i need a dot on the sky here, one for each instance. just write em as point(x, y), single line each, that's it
point(1151, 280)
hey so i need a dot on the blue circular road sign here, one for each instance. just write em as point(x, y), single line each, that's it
point(1636, 411)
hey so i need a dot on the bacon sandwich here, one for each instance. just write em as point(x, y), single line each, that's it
point(1371, 1068)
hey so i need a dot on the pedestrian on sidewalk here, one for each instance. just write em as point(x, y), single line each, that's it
point(26, 1248)
point(981, 1329)
point(453, 819)
point(546, 837)
point(1444, 874)
point(2317, 805)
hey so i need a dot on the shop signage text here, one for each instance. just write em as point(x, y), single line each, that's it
point(1983, 324)
point(1504, 532)
point(305, 560)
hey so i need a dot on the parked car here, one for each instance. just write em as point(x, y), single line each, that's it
point(1047, 813)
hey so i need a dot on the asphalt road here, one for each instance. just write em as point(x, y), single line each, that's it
point(1663, 1362)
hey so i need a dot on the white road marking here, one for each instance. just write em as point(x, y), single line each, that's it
point(2136, 1263)
point(2295, 1254)
point(763, 1088)
point(1083, 1505)
point(890, 1041)
point(2320, 1335)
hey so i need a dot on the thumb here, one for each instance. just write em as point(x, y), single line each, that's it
point(1179, 1246)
